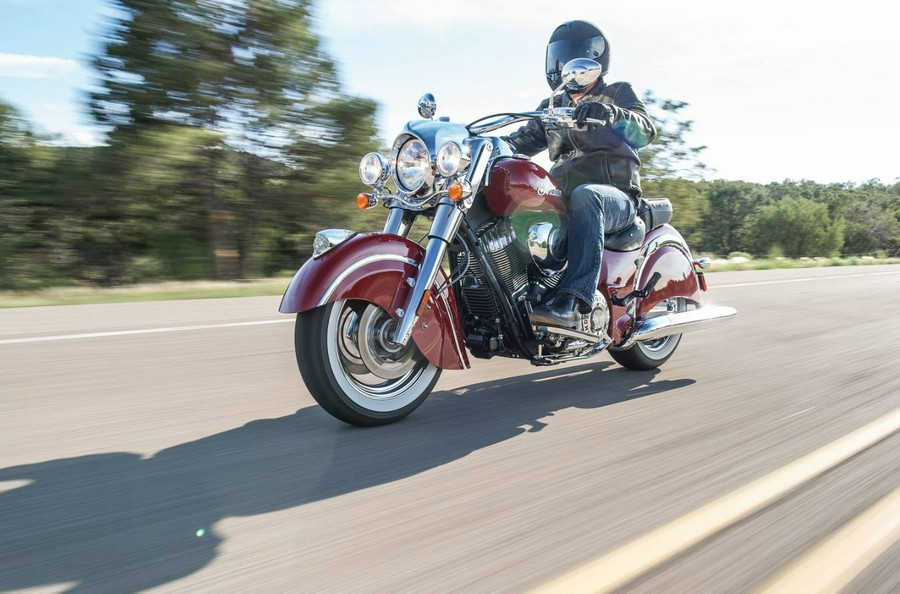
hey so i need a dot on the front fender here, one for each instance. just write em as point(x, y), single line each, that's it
point(374, 267)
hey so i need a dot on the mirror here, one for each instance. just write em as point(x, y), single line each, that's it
point(580, 73)
point(576, 75)
point(427, 106)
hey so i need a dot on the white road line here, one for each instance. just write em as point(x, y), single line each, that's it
point(833, 564)
point(6, 341)
point(621, 566)
point(796, 414)
point(800, 280)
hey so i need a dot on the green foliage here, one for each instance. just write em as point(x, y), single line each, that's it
point(670, 156)
point(228, 122)
point(230, 144)
point(729, 206)
point(799, 226)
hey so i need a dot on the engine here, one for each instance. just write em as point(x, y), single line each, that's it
point(509, 260)
point(513, 266)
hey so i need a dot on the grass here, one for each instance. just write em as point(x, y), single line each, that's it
point(731, 264)
point(166, 291)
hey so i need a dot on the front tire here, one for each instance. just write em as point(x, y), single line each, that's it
point(353, 370)
point(650, 354)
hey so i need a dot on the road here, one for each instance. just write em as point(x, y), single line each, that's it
point(173, 446)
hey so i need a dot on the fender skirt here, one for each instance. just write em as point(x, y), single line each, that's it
point(374, 267)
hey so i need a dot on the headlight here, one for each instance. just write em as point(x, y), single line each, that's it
point(413, 165)
point(450, 159)
point(373, 169)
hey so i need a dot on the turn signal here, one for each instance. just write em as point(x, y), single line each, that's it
point(455, 191)
point(365, 201)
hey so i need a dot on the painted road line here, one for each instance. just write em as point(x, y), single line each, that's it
point(7, 341)
point(801, 280)
point(143, 331)
point(617, 568)
point(833, 564)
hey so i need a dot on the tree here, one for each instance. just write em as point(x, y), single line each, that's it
point(670, 155)
point(251, 78)
point(729, 206)
point(800, 227)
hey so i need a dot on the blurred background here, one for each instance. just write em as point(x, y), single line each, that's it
point(147, 140)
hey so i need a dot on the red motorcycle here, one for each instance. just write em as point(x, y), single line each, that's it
point(379, 317)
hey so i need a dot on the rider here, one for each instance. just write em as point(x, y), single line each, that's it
point(597, 166)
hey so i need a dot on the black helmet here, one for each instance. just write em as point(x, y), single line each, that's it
point(575, 39)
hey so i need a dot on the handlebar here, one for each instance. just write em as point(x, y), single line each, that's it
point(561, 117)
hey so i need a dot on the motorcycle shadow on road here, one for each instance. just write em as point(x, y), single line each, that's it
point(122, 522)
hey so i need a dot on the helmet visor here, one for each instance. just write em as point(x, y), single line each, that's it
point(560, 52)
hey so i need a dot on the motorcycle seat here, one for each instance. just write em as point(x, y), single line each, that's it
point(655, 212)
point(628, 239)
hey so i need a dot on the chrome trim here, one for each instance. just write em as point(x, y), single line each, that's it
point(580, 73)
point(399, 221)
point(427, 106)
point(589, 338)
point(356, 266)
point(539, 237)
point(328, 238)
point(481, 148)
point(660, 326)
point(427, 185)
point(447, 218)
point(465, 158)
point(385, 169)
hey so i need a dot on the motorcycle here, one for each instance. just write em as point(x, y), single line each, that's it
point(379, 317)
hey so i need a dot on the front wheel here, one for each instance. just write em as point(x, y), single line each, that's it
point(352, 367)
point(650, 354)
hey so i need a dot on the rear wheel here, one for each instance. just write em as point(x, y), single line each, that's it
point(352, 367)
point(650, 354)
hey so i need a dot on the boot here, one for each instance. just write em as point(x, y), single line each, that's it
point(563, 311)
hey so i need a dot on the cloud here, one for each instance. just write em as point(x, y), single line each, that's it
point(25, 66)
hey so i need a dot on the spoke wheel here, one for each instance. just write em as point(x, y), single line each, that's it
point(353, 368)
point(650, 354)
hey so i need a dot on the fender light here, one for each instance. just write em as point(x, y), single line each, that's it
point(366, 201)
point(328, 238)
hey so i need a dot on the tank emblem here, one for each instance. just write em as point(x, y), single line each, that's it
point(549, 190)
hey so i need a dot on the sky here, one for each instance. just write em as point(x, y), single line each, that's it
point(776, 90)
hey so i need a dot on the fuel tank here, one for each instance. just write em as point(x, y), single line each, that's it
point(517, 185)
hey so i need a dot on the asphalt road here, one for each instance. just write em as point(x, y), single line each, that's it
point(195, 459)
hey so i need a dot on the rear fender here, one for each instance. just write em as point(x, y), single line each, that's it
point(669, 255)
point(374, 267)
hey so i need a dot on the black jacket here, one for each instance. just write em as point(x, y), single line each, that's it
point(602, 155)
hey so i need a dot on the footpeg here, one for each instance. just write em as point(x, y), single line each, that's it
point(567, 332)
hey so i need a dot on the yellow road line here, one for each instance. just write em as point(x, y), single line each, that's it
point(833, 564)
point(622, 565)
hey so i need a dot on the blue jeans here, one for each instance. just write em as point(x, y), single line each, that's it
point(595, 210)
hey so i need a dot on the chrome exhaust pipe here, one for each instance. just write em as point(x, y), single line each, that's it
point(678, 323)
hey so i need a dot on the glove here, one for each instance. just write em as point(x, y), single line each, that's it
point(593, 110)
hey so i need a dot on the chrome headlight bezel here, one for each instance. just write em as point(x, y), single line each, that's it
point(423, 187)
point(451, 159)
point(374, 169)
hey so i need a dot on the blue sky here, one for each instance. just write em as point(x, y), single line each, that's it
point(43, 48)
point(777, 89)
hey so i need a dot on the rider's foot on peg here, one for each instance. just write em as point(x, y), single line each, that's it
point(563, 311)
